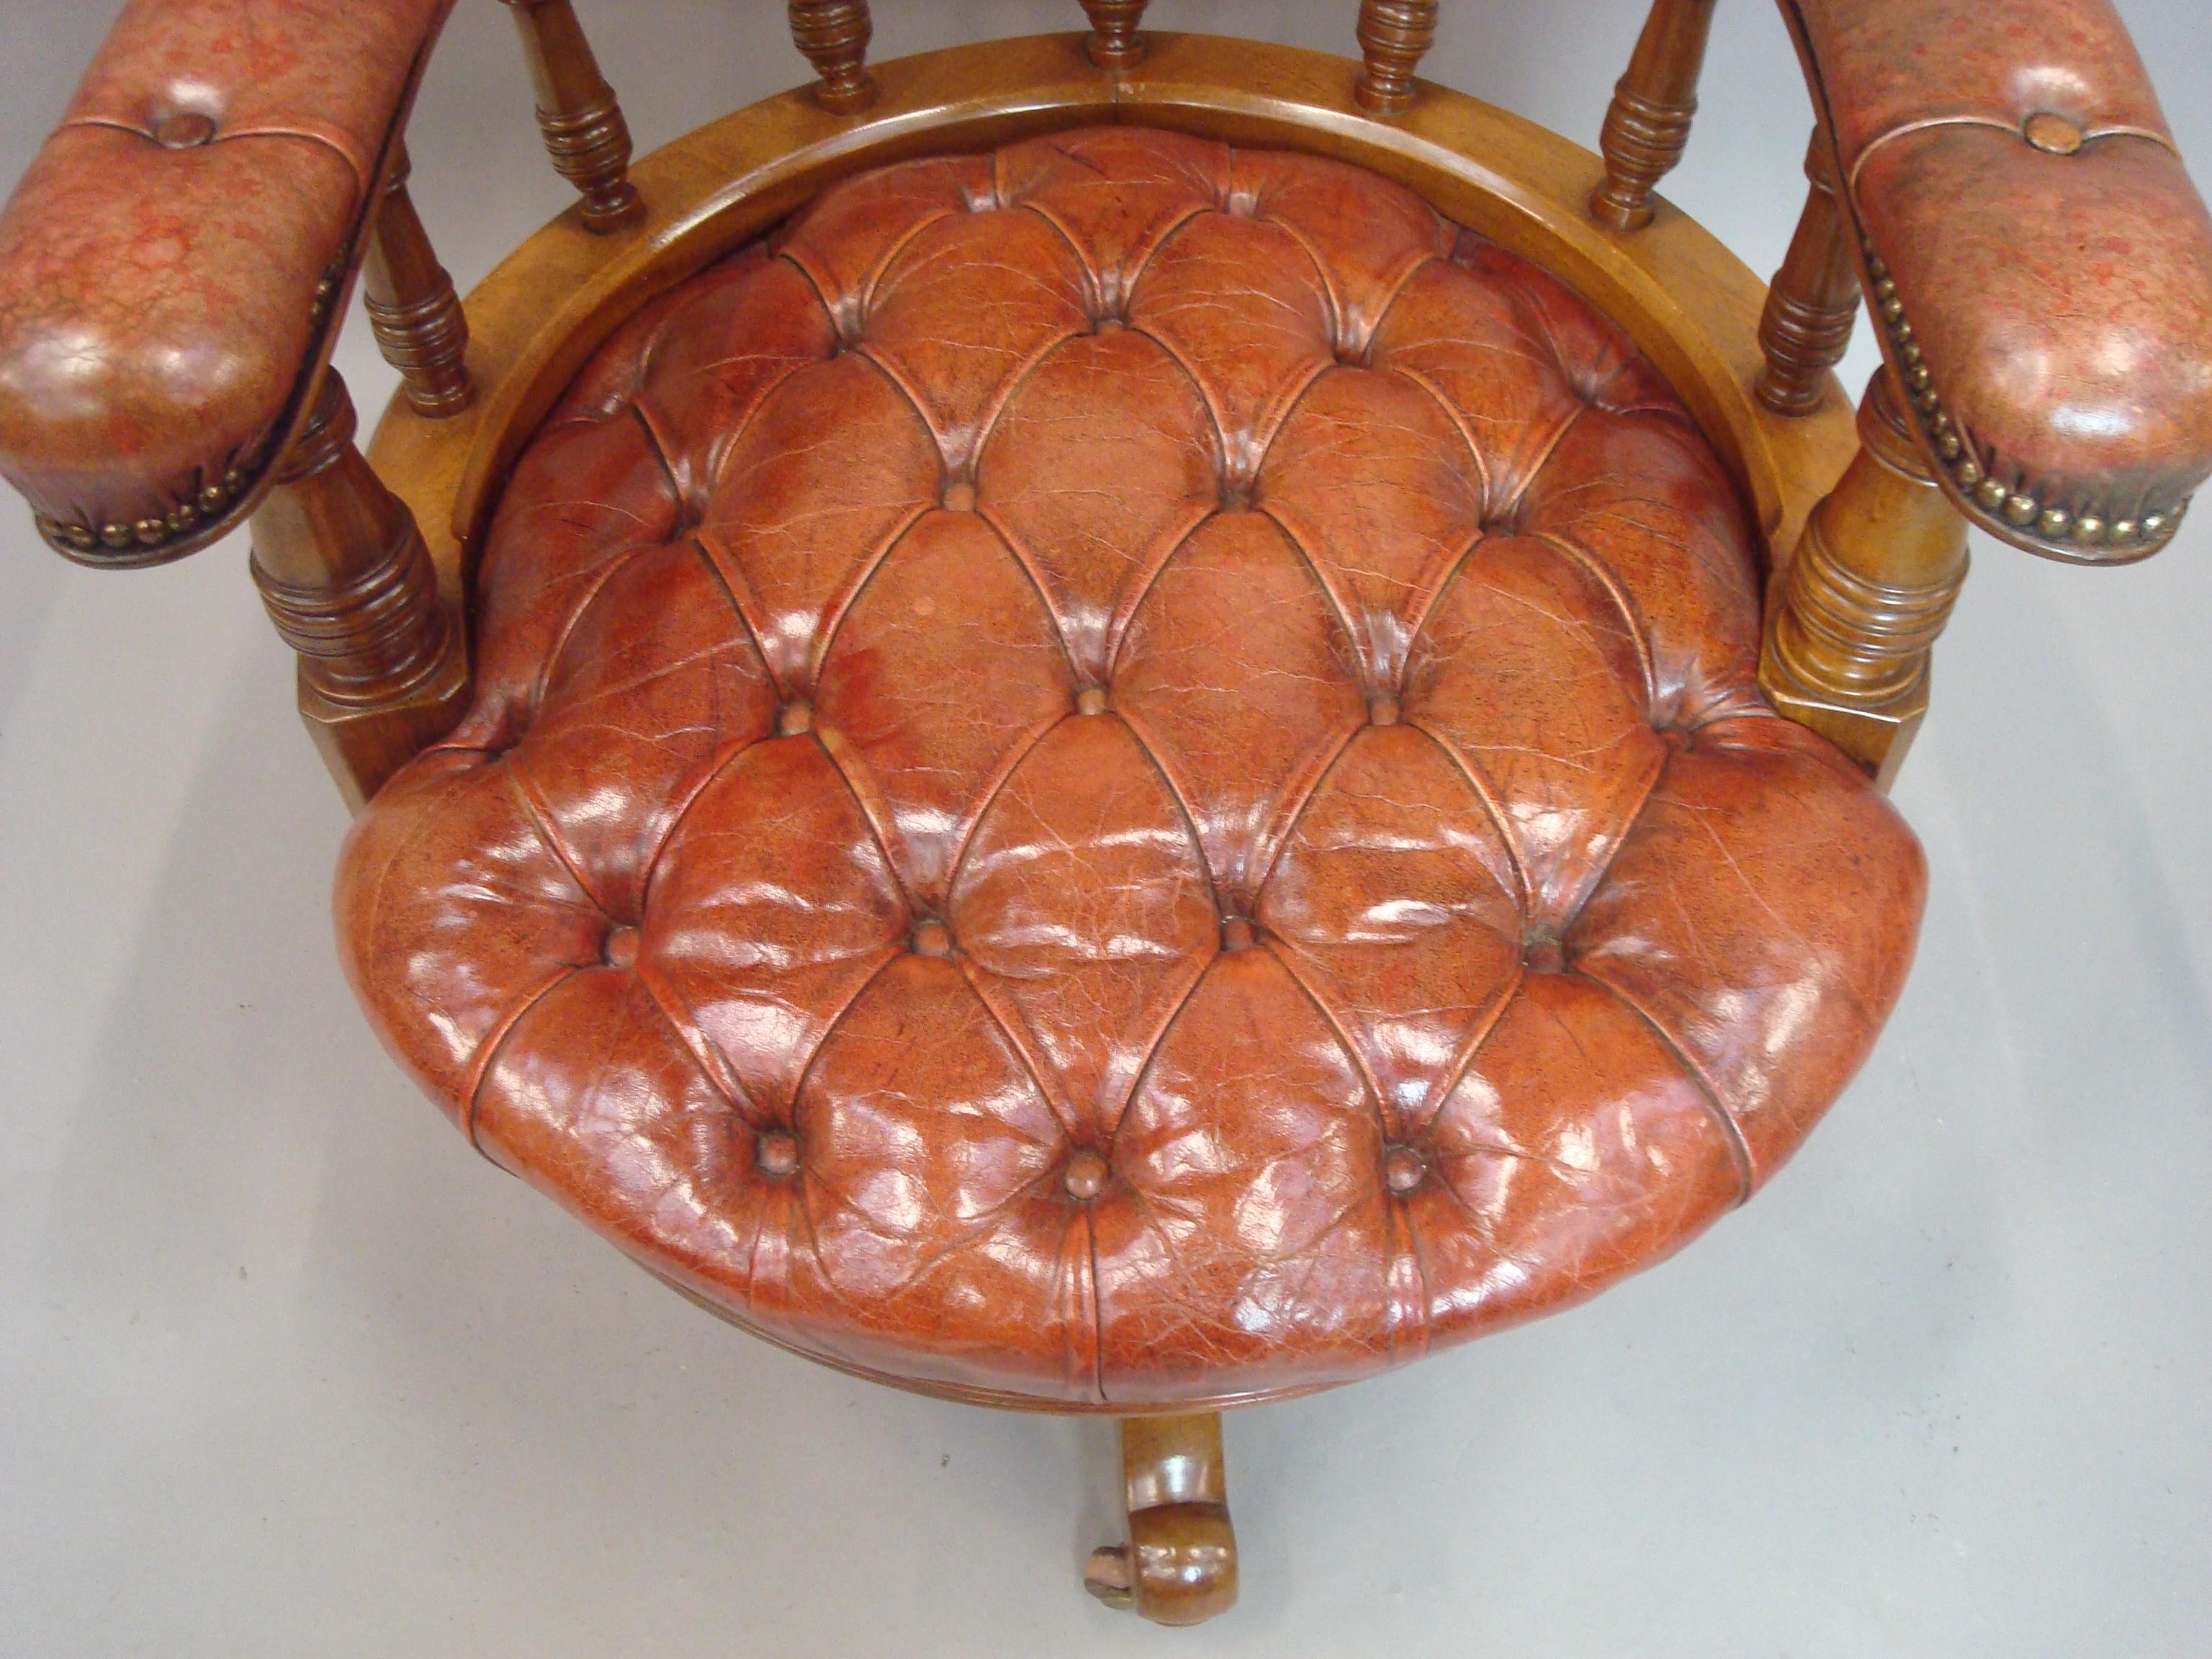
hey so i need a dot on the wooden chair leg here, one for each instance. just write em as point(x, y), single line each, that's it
point(1179, 1566)
point(1806, 324)
point(343, 570)
point(1647, 126)
point(1854, 615)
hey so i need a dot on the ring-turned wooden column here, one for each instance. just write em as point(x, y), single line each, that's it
point(1394, 36)
point(1807, 326)
point(833, 35)
point(1647, 126)
point(1855, 614)
point(585, 132)
point(1114, 42)
point(343, 570)
point(413, 308)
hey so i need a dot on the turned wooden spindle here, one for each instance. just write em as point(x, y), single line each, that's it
point(1114, 42)
point(1856, 613)
point(1806, 324)
point(345, 576)
point(1647, 126)
point(1179, 1566)
point(833, 35)
point(413, 308)
point(1394, 36)
point(585, 132)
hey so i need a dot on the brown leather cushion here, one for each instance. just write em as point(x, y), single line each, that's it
point(1125, 772)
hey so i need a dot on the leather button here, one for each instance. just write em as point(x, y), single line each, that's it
point(621, 948)
point(1236, 933)
point(796, 719)
point(2052, 133)
point(932, 938)
point(775, 1152)
point(1108, 325)
point(960, 498)
point(1091, 699)
point(1402, 1169)
point(1542, 955)
point(1085, 1175)
point(1382, 711)
point(186, 130)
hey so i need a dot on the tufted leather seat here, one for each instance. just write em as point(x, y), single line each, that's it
point(1124, 773)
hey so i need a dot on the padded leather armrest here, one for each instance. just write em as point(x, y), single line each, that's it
point(172, 264)
point(2037, 257)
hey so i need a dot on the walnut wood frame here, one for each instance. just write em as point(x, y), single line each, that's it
point(1685, 299)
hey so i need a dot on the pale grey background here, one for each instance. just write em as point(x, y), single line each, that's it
point(285, 1371)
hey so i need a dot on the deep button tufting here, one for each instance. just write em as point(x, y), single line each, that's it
point(1085, 1177)
point(184, 130)
point(1402, 1169)
point(621, 948)
point(775, 1152)
point(959, 498)
point(1302, 897)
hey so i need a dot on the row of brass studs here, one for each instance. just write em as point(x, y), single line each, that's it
point(2016, 507)
point(205, 503)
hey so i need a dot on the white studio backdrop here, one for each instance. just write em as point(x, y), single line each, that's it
point(283, 1369)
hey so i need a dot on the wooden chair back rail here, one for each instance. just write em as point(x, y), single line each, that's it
point(1687, 303)
point(833, 35)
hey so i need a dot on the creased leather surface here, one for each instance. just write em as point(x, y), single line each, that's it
point(157, 296)
point(2064, 302)
point(1122, 773)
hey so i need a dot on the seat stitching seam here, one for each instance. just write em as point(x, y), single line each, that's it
point(1738, 1149)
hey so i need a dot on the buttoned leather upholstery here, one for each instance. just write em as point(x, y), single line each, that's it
point(1122, 773)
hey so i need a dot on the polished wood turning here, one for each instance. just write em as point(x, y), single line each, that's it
point(1806, 324)
point(1857, 611)
point(1394, 36)
point(1179, 1566)
point(413, 308)
point(344, 574)
point(834, 36)
point(585, 132)
point(1114, 42)
point(1648, 124)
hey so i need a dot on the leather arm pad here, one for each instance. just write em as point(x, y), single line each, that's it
point(173, 263)
point(2037, 259)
